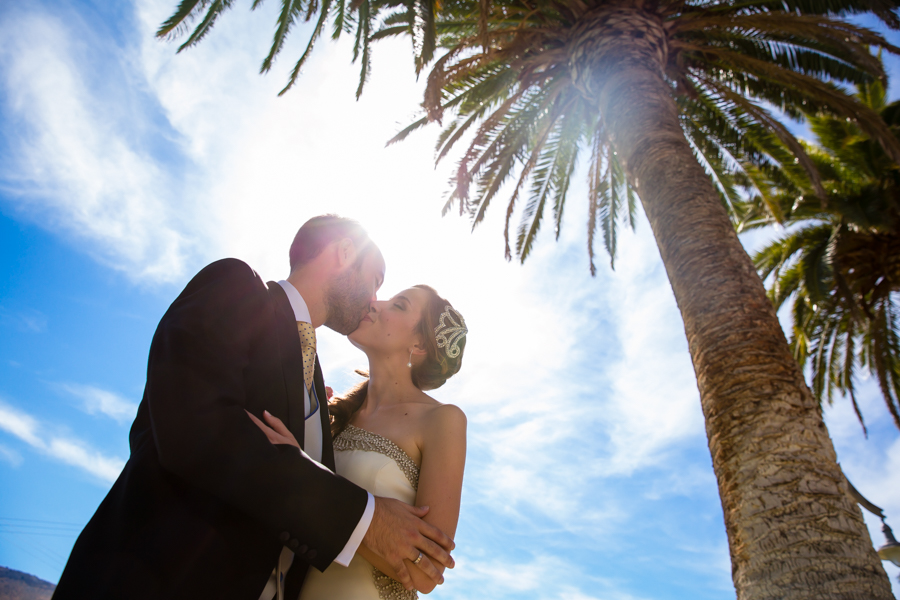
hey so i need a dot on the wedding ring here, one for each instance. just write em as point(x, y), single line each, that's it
point(418, 559)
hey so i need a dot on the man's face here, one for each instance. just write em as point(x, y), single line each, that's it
point(352, 290)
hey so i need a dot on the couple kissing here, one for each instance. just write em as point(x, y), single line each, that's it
point(243, 474)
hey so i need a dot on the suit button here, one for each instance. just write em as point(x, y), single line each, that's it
point(293, 544)
point(284, 537)
point(302, 549)
point(311, 554)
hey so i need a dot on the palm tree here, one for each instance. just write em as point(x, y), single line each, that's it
point(653, 88)
point(840, 262)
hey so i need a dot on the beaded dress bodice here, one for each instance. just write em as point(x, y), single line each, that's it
point(379, 466)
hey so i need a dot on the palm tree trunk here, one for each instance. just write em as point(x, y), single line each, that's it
point(793, 530)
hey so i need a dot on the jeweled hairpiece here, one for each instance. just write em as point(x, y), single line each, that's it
point(450, 330)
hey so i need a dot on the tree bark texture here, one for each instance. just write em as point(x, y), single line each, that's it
point(793, 530)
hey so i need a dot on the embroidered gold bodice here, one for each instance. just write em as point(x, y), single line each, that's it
point(355, 438)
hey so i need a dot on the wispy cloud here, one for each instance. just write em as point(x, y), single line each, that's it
point(73, 163)
point(654, 401)
point(558, 390)
point(10, 456)
point(873, 464)
point(28, 320)
point(65, 449)
point(100, 401)
point(542, 576)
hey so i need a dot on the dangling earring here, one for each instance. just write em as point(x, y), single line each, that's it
point(409, 364)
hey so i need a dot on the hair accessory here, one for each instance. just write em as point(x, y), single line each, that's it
point(449, 332)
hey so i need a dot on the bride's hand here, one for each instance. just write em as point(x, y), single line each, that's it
point(275, 431)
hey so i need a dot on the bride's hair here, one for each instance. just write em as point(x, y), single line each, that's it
point(429, 374)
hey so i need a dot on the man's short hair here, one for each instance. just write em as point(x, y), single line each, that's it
point(320, 231)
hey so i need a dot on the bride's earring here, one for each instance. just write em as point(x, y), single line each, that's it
point(409, 364)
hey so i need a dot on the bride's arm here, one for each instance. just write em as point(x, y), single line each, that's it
point(440, 483)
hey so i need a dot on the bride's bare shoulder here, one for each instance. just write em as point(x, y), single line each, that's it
point(445, 420)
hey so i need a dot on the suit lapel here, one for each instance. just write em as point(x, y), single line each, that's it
point(291, 359)
point(327, 449)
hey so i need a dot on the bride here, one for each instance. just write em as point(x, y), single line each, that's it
point(391, 438)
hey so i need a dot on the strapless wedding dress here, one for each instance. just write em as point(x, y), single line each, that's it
point(379, 466)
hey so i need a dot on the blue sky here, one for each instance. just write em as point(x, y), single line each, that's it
point(125, 168)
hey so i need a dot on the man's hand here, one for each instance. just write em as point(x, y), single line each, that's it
point(398, 532)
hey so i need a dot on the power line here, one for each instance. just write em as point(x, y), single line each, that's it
point(39, 527)
point(79, 525)
point(43, 555)
point(69, 535)
point(29, 536)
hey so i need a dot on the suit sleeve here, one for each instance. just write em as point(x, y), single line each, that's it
point(196, 398)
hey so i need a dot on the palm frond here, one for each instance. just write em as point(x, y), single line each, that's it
point(214, 9)
point(295, 72)
point(186, 12)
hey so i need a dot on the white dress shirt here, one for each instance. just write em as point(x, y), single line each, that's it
point(312, 446)
point(312, 436)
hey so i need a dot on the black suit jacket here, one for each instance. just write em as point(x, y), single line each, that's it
point(205, 503)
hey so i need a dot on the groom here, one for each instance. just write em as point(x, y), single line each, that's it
point(206, 507)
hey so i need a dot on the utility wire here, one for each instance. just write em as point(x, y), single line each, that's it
point(41, 522)
point(43, 556)
point(26, 536)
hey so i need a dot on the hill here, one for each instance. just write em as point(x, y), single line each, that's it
point(16, 585)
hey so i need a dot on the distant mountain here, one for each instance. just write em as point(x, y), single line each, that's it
point(16, 585)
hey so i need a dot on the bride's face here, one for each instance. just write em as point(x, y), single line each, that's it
point(391, 325)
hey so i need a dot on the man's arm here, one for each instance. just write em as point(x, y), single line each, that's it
point(398, 532)
point(196, 398)
point(356, 537)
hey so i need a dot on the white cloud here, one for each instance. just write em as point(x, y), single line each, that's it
point(96, 400)
point(68, 450)
point(78, 454)
point(21, 425)
point(542, 576)
point(563, 374)
point(655, 402)
point(74, 164)
point(873, 464)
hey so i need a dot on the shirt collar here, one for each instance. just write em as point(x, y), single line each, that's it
point(298, 304)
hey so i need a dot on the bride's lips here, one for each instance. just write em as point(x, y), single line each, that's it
point(367, 318)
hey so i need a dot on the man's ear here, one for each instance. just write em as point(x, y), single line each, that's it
point(346, 253)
